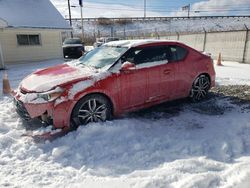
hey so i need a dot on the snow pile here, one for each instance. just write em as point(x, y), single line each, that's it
point(136, 28)
point(186, 148)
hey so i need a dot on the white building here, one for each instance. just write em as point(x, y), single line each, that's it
point(30, 30)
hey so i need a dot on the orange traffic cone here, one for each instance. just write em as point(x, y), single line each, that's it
point(219, 60)
point(6, 84)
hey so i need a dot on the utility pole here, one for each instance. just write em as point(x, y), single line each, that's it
point(187, 7)
point(188, 10)
point(80, 3)
point(70, 22)
point(145, 6)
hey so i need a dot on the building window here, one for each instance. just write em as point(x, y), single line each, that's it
point(24, 40)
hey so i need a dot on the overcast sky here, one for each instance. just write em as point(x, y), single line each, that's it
point(128, 8)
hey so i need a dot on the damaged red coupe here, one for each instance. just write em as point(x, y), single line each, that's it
point(113, 79)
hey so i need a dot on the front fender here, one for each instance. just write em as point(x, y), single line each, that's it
point(63, 110)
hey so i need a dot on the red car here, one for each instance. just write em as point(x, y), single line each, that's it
point(118, 77)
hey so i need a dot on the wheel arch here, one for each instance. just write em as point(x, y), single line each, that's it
point(96, 93)
point(206, 74)
point(200, 74)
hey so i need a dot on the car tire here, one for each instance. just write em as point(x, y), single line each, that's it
point(200, 88)
point(92, 108)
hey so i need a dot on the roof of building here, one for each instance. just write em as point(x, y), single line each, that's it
point(31, 14)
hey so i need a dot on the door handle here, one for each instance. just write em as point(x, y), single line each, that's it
point(167, 71)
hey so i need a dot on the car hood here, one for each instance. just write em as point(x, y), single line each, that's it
point(46, 79)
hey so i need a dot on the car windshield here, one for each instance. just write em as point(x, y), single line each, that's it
point(72, 41)
point(102, 57)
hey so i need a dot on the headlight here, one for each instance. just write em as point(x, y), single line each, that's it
point(51, 95)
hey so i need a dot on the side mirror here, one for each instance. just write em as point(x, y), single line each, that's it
point(127, 66)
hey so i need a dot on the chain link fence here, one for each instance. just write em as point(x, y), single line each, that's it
point(228, 35)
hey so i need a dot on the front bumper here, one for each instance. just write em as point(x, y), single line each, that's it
point(56, 113)
point(28, 111)
point(21, 110)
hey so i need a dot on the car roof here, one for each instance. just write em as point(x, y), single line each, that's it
point(135, 43)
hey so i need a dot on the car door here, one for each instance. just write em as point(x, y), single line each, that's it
point(179, 81)
point(151, 80)
point(167, 76)
point(149, 60)
point(132, 83)
point(152, 61)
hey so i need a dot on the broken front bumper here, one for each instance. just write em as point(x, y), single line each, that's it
point(54, 112)
point(21, 110)
point(30, 111)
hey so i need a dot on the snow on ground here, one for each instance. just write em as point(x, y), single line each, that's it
point(154, 149)
point(136, 28)
point(233, 73)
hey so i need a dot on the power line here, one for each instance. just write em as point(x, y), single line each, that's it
point(160, 10)
point(158, 7)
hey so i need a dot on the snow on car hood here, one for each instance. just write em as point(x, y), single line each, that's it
point(46, 79)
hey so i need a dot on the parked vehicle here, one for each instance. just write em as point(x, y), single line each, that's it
point(116, 78)
point(103, 40)
point(73, 48)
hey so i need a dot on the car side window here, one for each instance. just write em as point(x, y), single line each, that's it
point(147, 54)
point(150, 54)
point(177, 53)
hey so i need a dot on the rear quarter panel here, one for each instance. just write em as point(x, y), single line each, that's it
point(197, 63)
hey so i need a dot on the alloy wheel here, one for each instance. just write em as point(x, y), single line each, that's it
point(200, 88)
point(92, 110)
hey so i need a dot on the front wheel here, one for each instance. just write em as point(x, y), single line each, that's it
point(92, 108)
point(200, 88)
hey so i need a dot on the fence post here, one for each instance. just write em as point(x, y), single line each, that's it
point(204, 40)
point(94, 34)
point(178, 35)
point(111, 32)
point(124, 33)
point(98, 33)
point(156, 34)
point(245, 45)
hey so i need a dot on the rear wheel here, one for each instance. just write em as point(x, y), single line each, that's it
point(200, 88)
point(92, 108)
